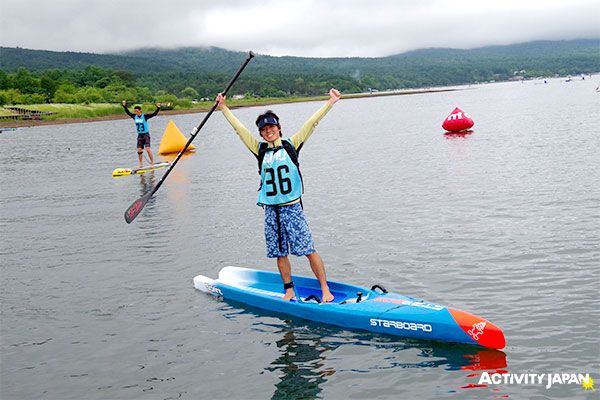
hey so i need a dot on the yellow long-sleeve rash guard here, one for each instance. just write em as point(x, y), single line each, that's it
point(297, 139)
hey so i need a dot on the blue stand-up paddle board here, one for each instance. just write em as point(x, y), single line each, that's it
point(354, 307)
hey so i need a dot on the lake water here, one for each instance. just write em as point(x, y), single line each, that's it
point(504, 223)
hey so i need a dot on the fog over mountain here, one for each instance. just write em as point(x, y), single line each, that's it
point(310, 28)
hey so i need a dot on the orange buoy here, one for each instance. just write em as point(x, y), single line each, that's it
point(173, 141)
point(457, 121)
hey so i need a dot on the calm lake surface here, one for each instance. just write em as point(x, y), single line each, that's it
point(504, 223)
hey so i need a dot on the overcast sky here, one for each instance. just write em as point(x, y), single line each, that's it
point(325, 28)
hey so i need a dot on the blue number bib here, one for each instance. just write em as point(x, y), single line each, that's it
point(141, 125)
point(280, 179)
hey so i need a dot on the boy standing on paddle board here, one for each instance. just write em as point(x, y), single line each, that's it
point(286, 229)
point(141, 126)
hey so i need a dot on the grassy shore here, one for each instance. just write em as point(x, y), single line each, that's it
point(4, 112)
point(67, 113)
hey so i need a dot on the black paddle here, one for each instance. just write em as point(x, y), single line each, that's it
point(136, 207)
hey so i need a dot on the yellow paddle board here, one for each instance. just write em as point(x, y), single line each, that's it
point(128, 171)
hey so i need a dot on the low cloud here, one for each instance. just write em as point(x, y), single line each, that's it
point(335, 28)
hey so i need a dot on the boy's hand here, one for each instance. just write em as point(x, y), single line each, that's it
point(221, 100)
point(334, 95)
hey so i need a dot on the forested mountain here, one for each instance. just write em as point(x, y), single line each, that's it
point(536, 55)
point(206, 70)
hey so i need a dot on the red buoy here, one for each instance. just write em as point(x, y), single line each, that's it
point(457, 121)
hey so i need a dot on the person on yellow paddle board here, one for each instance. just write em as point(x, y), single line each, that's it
point(280, 192)
point(143, 132)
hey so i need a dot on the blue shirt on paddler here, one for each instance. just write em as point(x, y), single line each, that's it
point(280, 180)
point(141, 124)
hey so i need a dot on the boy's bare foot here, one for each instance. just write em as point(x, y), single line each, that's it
point(289, 294)
point(327, 296)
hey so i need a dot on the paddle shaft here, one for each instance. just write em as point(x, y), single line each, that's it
point(137, 205)
point(206, 117)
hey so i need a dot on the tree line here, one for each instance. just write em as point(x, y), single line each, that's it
point(91, 85)
point(95, 84)
point(182, 75)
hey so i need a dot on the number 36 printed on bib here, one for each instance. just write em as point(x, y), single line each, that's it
point(280, 179)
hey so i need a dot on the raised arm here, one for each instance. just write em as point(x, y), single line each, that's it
point(309, 126)
point(124, 103)
point(148, 116)
point(244, 134)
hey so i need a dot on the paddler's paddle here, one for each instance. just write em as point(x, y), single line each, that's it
point(136, 207)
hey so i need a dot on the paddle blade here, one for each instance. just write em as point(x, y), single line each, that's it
point(136, 207)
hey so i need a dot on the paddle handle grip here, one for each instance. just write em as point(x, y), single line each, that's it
point(214, 107)
point(237, 74)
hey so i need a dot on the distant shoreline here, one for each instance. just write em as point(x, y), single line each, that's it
point(266, 102)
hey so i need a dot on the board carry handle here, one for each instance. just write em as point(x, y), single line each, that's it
point(383, 290)
point(313, 297)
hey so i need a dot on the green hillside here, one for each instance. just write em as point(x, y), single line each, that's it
point(172, 74)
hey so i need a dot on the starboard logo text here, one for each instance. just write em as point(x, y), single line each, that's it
point(408, 326)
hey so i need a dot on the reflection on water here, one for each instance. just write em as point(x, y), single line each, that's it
point(147, 182)
point(457, 135)
point(179, 179)
point(300, 366)
point(307, 351)
point(172, 156)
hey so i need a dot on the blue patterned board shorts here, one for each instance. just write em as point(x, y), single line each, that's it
point(294, 237)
